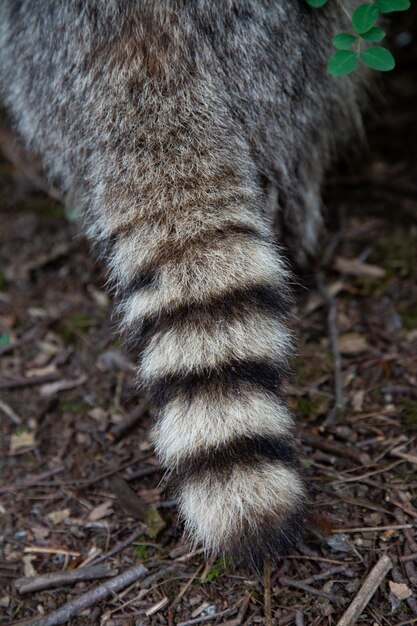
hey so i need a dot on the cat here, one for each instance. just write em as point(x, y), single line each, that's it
point(194, 137)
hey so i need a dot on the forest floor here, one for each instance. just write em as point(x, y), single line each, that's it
point(79, 482)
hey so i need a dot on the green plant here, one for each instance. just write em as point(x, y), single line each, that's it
point(218, 568)
point(358, 46)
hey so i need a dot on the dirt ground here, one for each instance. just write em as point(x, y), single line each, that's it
point(79, 482)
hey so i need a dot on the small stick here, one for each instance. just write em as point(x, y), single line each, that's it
point(7, 410)
point(299, 621)
point(207, 569)
point(46, 550)
point(185, 588)
point(316, 557)
point(408, 557)
point(26, 338)
point(267, 593)
point(87, 482)
point(326, 574)
point(32, 381)
point(405, 508)
point(56, 579)
point(31, 480)
point(149, 581)
point(400, 390)
point(242, 612)
point(371, 529)
point(339, 404)
point(411, 458)
point(354, 479)
point(365, 593)
point(91, 597)
point(208, 618)
point(121, 545)
point(118, 431)
point(140, 473)
point(283, 621)
point(412, 544)
point(333, 447)
point(157, 607)
point(287, 582)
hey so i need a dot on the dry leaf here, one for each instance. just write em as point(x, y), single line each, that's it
point(150, 496)
point(340, 543)
point(114, 359)
point(100, 511)
point(50, 389)
point(21, 441)
point(388, 534)
point(101, 298)
point(203, 607)
point(49, 348)
point(352, 343)
point(40, 532)
point(354, 267)
point(57, 517)
point(41, 371)
point(412, 335)
point(315, 300)
point(400, 590)
point(357, 400)
point(130, 503)
point(28, 568)
point(98, 414)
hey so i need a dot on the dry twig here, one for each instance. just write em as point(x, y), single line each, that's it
point(267, 593)
point(365, 593)
point(11, 414)
point(56, 579)
point(32, 381)
point(185, 588)
point(121, 545)
point(26, 338)
point(411, 458)
point(299, 584)
point(299, 621)
point(333, 447)
point(242, 612)
point(371, 529)
point(208, 618)
point(91, 597)
point(339, 404)
point(31, 480)
point(120, 430)
point(327, 574)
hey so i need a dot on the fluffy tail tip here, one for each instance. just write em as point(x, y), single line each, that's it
point(253, 513)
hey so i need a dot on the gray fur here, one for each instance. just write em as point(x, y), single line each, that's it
point(173, 124)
